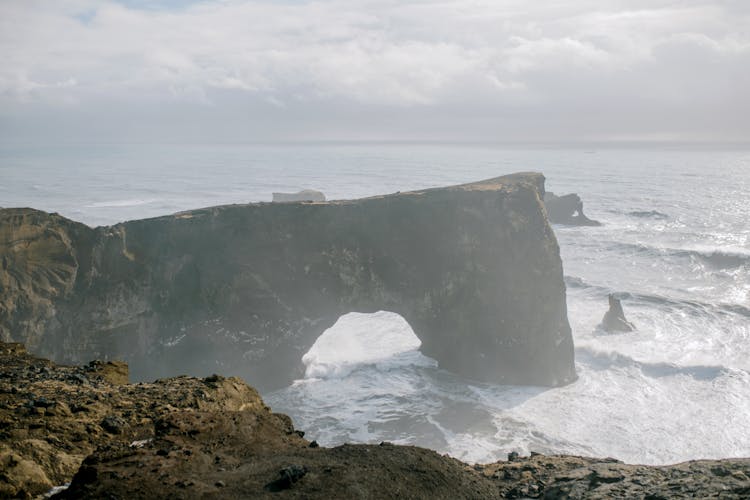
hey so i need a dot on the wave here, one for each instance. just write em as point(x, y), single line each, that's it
point(600, 360)
point(119, 203)
point(648, 214)
point(341, 369)
point(716, 258)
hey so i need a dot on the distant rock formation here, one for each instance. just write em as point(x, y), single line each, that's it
point(567, 209)
point(304, 195)
point(614, 319)
point(214, 437)
point(247, 289)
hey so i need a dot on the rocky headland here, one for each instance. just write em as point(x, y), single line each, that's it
point(214, 437)
point(246, 290)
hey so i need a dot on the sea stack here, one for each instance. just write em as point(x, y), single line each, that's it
point(614, 319)
point(567, 210)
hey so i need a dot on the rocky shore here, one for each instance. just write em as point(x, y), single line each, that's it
point(214, 437)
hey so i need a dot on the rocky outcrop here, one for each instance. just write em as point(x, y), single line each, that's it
point(614, 319)
point(304, 195)
point(567, 210)
point(52, 417)
point(213, 437)
point(247, 289)
point(561, 476)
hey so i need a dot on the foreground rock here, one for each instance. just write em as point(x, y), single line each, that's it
point(247, 289)
point(214, 438)
point(567, 209)
point(304, 195)
point(614, 319)
point(52, 417)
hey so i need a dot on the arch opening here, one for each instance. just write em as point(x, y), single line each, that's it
point(356, 339)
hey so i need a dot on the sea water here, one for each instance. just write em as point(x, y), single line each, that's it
point(674, 246)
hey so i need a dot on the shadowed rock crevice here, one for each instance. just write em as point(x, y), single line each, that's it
point(246, 289)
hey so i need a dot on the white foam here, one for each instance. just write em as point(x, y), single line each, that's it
point(135, 202)
point(358, 339)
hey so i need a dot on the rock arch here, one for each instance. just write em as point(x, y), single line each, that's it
point(356, 339)
point(246, 289)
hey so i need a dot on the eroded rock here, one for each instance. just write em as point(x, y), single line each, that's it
point(474, 269)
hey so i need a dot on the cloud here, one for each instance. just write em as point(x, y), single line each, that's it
point(558, 69)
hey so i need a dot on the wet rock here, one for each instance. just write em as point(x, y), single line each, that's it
point(614, 319)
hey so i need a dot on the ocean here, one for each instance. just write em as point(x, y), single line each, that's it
point(674, 246)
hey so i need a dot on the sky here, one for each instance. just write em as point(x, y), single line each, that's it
point(432, 70)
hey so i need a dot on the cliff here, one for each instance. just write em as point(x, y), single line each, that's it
point(214, 438)
point(246, 289)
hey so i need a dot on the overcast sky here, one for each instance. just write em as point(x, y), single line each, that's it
point(461, 70)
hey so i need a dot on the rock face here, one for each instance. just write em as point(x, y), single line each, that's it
point(304, 195)
point(614, 319)
point(567, 209)
point(214, 438)
point(247, 289)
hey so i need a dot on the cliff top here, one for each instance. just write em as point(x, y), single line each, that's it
point(506, 182)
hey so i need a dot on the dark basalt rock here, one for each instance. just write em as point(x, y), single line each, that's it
point(614, 319)
point(567, 210)
point(247, 289)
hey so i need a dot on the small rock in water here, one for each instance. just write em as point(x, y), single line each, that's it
point(614, 319)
